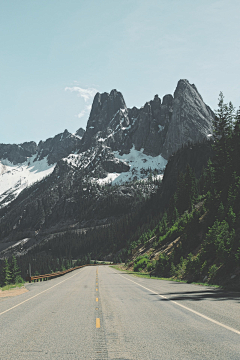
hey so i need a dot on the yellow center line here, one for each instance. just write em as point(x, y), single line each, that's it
point(96, 299)
point(96, 289)
point(97, 323)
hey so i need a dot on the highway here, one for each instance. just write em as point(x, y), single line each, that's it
point(101, 313)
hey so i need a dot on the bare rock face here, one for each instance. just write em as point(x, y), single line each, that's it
point(17, 153)
point(80, 132)
point(115, 165)
point(104, 109)
point(58, 147)
point(157, 128)
point(54, 149)
point(191, 119)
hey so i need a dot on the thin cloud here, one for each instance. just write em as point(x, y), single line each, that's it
point(86, 94)
point(84, 111)
point(81, 114)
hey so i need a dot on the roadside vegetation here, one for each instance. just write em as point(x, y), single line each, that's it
point(143, 274)
point(10, 275)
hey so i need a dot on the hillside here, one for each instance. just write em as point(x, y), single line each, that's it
point(198, 237)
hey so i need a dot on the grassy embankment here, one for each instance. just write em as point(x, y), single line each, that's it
point(146, 275)
point(12, 286)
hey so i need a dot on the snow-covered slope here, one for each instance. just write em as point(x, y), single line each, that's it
point(141, 165)
point(112, 166)
point(15, 178)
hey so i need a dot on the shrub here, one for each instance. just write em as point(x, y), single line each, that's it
point(213, 271)
point(19, 280)
point(150, 266)
point(140, 263)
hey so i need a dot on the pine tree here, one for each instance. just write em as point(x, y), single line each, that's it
point(236, 142)
point(7, 273)
point(223, 133)
point(14, 269)
point(209, 178)
point(190, 187)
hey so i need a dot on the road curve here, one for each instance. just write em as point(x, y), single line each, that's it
point(101, 313)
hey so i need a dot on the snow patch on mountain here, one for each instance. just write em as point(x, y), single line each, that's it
point(138, 160)
point(15, 178)
point(141, 165)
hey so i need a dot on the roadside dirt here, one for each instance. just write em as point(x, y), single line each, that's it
point(12, 292)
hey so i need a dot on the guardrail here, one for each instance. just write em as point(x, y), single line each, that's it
point(56, 274)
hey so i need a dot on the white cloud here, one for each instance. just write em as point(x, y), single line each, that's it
point(86, 94)
point(85, 111)
point(81, 114)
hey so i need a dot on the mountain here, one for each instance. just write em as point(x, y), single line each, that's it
point(144, 138)
point(65, 182)
point(24, 164)
point(158, 128)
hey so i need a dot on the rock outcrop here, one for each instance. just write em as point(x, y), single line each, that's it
point(58, 147)
point(54, 149)
point(157, 128)
point(191, 119)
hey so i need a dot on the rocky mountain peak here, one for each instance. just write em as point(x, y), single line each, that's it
point(80, 132)
point(58, 147)
point(159, 127)
point(184, 88)
point(191, 119)
point(17, 153)
point(167, 100)
point(105, 107)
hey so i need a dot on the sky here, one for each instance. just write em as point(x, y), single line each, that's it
point(56, 54)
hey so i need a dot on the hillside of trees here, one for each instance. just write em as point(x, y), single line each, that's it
point(198, 237)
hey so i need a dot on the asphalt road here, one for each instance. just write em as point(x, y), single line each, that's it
point(101, 313)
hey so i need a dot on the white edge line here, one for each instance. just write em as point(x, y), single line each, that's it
point(36, 295)
point(187, 308)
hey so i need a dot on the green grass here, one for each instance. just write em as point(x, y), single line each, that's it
point(11, 286)
point(147, 276)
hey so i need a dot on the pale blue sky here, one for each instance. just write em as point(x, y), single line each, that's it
point(55, 54)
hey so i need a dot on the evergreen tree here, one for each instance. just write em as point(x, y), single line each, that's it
point(7, 273)
point(236, 142)
point(223, 132)
point(15, 271)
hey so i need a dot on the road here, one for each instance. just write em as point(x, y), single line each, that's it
point(101, 313)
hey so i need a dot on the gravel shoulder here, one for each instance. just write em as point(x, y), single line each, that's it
point(12, 292)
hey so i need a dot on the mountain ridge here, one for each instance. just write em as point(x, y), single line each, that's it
point(67, 179)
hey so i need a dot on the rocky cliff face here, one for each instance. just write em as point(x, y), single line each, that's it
point(54, 149)
point(191, 119)
point(17, 153)
point(58, 147)
point(157, 128)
